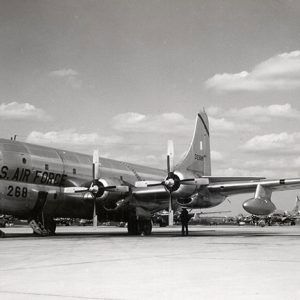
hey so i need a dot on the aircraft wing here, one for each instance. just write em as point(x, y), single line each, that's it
point(240, 187)
point(218, 179)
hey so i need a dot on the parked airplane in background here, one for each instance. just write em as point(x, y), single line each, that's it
point(41, 183)
point(162, 217)
point(281, 217)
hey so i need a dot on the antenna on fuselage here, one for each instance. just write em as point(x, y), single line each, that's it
point(14, 138)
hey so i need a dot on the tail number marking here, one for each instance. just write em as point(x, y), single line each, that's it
point(16, 191)
point(199, 157)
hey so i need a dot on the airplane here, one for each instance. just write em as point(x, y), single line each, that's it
point(281, 217)
point(41, 183)
point(162, 217)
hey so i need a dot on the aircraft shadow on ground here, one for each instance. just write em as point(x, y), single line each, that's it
point(161, 234)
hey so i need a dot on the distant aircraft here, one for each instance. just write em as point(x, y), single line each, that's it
point(41, 183)
point(162, 217)
point(284, 217)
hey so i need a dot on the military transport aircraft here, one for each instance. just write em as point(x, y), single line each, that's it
point(280, 217)
point(41, 183)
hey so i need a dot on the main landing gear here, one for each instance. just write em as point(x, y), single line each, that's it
point(139, 226)
point(43, 226)
point(41, 223)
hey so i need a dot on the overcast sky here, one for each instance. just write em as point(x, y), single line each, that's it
point(126, 76)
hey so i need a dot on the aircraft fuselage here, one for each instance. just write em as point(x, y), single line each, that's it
point(28, 169)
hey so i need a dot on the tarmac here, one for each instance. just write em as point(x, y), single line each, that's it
point(213, 262)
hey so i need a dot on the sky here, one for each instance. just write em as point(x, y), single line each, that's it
point(125, 76)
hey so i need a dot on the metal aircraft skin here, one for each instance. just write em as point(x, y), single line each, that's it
point(41, 183)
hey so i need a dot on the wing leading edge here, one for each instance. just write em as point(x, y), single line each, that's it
point(241, 187)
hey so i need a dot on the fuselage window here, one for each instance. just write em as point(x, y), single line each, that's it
point(74, 171)
point(46, 167)
point(24, 160)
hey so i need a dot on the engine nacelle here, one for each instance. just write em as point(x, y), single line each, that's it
point(111, 196)
point(188, 188)
point(259, 206)
point(202, 199)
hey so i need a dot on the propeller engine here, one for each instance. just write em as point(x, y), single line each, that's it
point(108, 190)
point(179, 185)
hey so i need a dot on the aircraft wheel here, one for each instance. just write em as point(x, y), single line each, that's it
point(144, 227)
point(293, 223)
point(137, 227)
point(147, 227)
point(132, 226)
point(50, 225)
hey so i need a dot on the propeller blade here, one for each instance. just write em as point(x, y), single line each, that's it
point(96, 156)
point(170, 157)
point(111, 188)
point(117, 188)
point(144, 184)
point(96, 176)
point(169, 182)
point(171, 213)
point(96, 165)
point(105, 188)
point(195, 181)
point(156, 184)
point(81, 191)
point(75, 189)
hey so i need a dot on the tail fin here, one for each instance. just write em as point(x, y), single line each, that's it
point(197, 158)
point(296, 208)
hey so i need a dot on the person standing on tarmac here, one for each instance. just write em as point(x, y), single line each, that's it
point(184, 217)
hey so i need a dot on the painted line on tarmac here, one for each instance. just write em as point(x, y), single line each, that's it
point(56, 295)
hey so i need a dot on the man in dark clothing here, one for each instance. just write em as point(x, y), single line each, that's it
point(184, 217)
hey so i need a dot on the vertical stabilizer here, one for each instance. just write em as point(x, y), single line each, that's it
point(197, 158)
point(296, 208)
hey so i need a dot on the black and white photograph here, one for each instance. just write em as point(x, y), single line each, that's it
point(149, 149)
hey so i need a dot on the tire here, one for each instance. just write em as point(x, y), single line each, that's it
point(50, 225)
point(147, 227)
point(132, 227)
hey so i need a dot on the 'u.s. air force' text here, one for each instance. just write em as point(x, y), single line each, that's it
point(36, 176)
